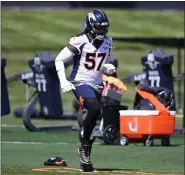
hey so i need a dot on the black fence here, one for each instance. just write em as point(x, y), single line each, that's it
point(95, 4)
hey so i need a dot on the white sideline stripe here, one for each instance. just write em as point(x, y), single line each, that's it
point(11, 126)
point(22, 126)
point(30, 143)
point(37, 143)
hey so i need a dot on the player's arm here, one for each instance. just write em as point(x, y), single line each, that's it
point(75, 45)
point(73, 49)
point(63, 56)
point(109, 68)
point(114, 65)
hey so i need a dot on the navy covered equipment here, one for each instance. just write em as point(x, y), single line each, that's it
point(5, 105)
point(47, 84)
point(158, 67)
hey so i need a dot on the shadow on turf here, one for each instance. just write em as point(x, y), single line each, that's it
point(137, 145)
point(114, 169)
point(167, 146)
point(159, 145)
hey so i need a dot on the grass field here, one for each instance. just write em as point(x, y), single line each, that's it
point(25, 33)
point(23, 151)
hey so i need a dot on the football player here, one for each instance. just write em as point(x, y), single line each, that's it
point(81, 111)
point(91, 54)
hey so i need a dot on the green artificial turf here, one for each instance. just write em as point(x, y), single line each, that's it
point(24, 33)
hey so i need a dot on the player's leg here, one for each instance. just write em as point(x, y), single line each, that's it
point(80, 118)
point(93, 107)
point(91, 103)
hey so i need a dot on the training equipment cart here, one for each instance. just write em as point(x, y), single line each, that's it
point(147, 125)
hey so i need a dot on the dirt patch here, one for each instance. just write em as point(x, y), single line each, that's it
point(99, 171)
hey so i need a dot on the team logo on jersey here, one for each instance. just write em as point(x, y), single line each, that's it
point(151, 62)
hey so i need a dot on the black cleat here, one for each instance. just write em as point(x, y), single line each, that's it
point(87, 167)
point(85, 152)
point(85, 162)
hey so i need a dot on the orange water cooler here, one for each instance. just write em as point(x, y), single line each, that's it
point(147, 125)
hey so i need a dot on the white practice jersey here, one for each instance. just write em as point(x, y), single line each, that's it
point(87, 64)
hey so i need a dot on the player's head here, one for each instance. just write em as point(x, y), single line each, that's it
point(97, 23)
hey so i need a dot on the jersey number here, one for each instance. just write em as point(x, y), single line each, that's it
point(91, 58)
point(41, 85)
point(155, 81)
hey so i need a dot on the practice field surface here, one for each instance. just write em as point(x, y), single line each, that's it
point(24, 34)
point(23, 151)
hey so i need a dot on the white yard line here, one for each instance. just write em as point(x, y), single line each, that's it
point(11, 126)
point(22, 126)
point(33, 143)
point(37, 143)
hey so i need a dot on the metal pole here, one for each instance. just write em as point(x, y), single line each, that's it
point(184, 96)
point(184, 102)
point(179, 98)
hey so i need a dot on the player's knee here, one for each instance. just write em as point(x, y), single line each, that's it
point(93, 106)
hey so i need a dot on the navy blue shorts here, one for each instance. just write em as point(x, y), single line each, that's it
point(87, 92)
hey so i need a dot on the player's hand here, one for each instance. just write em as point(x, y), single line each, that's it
point(67, 86)
point(108, 69)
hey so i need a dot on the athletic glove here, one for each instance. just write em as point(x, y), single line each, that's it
point(108, 69)
point(64, 83)
point(66, 86)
